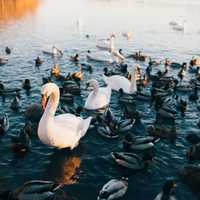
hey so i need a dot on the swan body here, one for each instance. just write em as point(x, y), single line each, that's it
point(99, 97)
point(53, 52)
point(60, 131)
point(118, 82)
point(3, 61)
point(114, 189)
point(101, 56)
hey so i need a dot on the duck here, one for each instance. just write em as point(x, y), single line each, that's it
point(125, 125)
point(55, 70)
point(114, 189)
point(190, 175)
point(67, 97)
point(75, 58)
point(179, 26)
point(106, 132)
point(194, 152)
point(99, 97)
point(167, 191)
point(4, 124)
point(138, 142)
point(21, 143)
point(72, 87)
point(38, 61)
point(139, 56)
point(3, 61)
point(126, 98)
point(118, 82)
point(33, 113)
point(61, 131)
point(15, 104)
point(35, 189)
point(26, 84)
point(8, 91)
point(78, 76)
point(162, 132)
point(131, 161)
point(8, 50)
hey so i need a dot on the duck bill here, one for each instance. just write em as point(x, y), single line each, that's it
point(44, 102)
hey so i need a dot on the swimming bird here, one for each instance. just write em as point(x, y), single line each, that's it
point(3, 61)
point(36, 189)
point(8, 50)
point(38, 61)
point(4, 124)
point(132, 161)
point(26, 84)
point(99, 97)
point(114, 189)
point(118, 82)
point(138, 142)
point(16, 104)
point(60, 131)
point(167, 192)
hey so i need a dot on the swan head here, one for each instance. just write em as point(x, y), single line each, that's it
point(92, 84)
point(46, 91)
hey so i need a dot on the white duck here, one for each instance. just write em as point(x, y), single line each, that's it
point(60, 131)
point(99, 97)
point(114, 189)
point(117, 82)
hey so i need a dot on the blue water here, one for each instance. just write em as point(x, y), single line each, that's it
point(64, 23)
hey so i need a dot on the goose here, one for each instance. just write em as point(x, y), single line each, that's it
point(167, 191)
point(99, 97)
point(131, 161)
point(4, 124)
point(62, 131)
point(114, 189)
point(138, 142)
point(8, 91)
point(35, 189)
point(118, 82)
point(105, 131)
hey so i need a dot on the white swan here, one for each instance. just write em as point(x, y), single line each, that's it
point(99, 97)
point(179, 26)
point(114, 189)
point(118, 82)
point(101, 56)
point(60, 131)
point(106, 44)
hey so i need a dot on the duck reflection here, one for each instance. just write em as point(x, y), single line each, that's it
point(63, 167)
point(14, 9)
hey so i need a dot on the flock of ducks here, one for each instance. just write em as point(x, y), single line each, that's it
point(65, 130)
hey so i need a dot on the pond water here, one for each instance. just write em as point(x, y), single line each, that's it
point(30, 26)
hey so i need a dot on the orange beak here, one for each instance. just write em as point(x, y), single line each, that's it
point(43, 102)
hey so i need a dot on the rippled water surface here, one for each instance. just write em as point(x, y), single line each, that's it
point(30, 26)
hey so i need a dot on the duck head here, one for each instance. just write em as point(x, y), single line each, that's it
point(169, 186)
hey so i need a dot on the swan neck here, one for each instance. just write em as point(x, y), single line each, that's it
point(133, 86)
point(52, 103)
point(96, 88)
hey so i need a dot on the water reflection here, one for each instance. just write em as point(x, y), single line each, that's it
point(63, 166)
point(14, 9)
